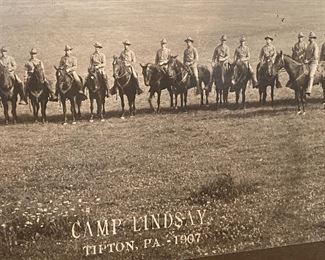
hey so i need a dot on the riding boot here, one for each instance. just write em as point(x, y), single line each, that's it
point(310, 86)
point(198, 87)
point(139, 90)
point(81, 91)
point(23, 97)
point(277, 83)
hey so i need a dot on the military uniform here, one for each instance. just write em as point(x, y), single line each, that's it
point(69, 64)
point(190, 59)
point(298, 52)
point(98, 62)
point(267, 52)
point(10, 63)
point(311, 55)
point(221, 54)
point(162, 57)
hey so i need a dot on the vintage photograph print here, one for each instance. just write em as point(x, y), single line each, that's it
point(160, 129)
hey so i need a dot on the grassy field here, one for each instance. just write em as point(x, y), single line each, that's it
point(258, 172)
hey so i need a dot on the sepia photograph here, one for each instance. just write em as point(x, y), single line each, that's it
point(160, 129)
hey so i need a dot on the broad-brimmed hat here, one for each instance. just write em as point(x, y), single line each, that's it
point(223, 38)
point(33, 51)
point(301, 35)
point(4, 49)
point(189, 39)
point(98, 45)
point(163, 41)
point(126, 42)
point(312, 35)
point(268, 37)
point(242, 39)
point(67, 48)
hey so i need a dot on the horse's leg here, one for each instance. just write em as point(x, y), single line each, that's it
point(5, 110)
point(297, 94)
point(122, 104)
point(133, 102)
point(323, 86)
point(158, 101)
point(73, 109)
point(43, 111)
point(37, 104)
point(151, 94)
point(302, 100)
point(260, 93)
point(272, 94)
point(176, 97)
point(14, 111)
point(237, 97)
point(64, 108)
point(103, 104)
point(243, 93)
point(91, 108)
point(34, 110)
point(185, 99)
point(171, 95)
point(78, 101)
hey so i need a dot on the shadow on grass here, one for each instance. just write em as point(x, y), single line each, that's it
point(279, 106)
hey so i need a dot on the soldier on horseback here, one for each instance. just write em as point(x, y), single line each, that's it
point(128, 57)
point(299, 49)
point(190, 59)
point(29, 69)
point(267, 54)
point(163, 55)
point(242, 53)
point(69, 64)
point(98, 63)
point(10, 63)
point(322, 53)
point(311, 59)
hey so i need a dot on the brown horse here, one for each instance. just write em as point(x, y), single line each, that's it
point(183, 80)
point(38, 92)
point(221, 77)
point(266, 76)
point(68, 90)
point(240, 78)
point(126, 84)
point(155, 77)
point(95, 83)
point(8, 93)
point(299, 77)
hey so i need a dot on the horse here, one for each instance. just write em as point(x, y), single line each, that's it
point(155, 77)
point(8, 93)
point(240, 78)
point(221, 77)
point(299, 78)
point(266, 76)
point(182, 80)
point(38, 92)
point(68, 89)
point(95, 83)
point(126, 84)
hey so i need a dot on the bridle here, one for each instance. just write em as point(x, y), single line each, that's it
point(118, 77)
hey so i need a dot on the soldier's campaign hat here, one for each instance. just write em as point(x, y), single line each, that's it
point(98, 45)
point(189, 39)
point(33, 51)
point(67, 48)
point(268, 37)
point(4, 49)
point(301, 35)
point(223, 38)
point(312, 35)
point(163, 41)
point(242, 39)
point(127, 42)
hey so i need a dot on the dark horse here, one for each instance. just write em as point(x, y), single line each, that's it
point(68, 89)
point(221, 77)
point(126, 84)
point(266, 76)
point(298, 77)
point(8, 93)
point(97, 91)
point(155, 77)
point(182, 80)
point(240, 78)
point(38, 92)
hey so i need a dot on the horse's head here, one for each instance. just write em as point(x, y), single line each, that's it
point(172, 66)
point(147, 73)
point(63, 78)
point(118, 67)
point(39, 73)
point(279, 61)
point(7, 82)
point(93, 79)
